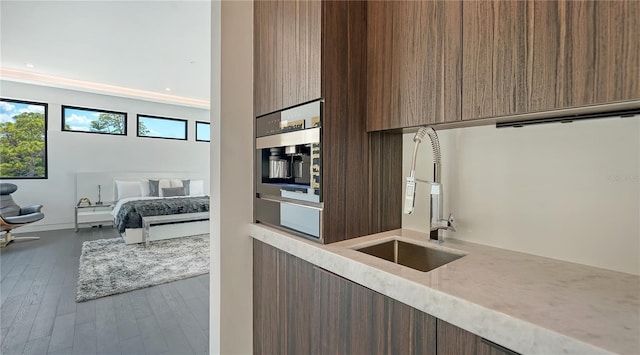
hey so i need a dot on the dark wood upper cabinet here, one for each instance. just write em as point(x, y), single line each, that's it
point(267, 95)
point(414, 63)
point(305, 50)
point(287, 49)
point(494, 52)
point(531, 56)
point(617, 53)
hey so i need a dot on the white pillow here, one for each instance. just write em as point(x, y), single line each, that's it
point(144, 188)
point(196, 187)
point(128, 189)
point(176, 183)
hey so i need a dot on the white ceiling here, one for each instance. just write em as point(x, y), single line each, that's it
point(131, 48)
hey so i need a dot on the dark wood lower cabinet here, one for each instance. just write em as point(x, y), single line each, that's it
point(302, 309)
point(352, 319)
point(265, 299)
point(454, 340)
point(282, 300)
point(457, 341)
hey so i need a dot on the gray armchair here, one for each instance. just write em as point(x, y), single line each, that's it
point(13, 216)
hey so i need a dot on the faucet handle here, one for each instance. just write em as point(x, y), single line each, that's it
point(410, 195)
point(450, 225)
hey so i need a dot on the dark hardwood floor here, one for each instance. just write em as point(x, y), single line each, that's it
point(39, 314)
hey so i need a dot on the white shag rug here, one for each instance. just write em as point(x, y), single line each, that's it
point(109, 266)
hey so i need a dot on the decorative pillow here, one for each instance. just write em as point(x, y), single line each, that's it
point(154, 189)
point(186, 184)
point(196, 187)
point(172, 191)
point(128, 189)
point(144, 188)
point(162, 184)
point(176, 183)
point(156, 186)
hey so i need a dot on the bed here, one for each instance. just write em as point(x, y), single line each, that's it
point(138, 195)
point(129, 212)
point(158, 197)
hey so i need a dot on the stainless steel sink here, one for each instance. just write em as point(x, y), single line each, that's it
point(415, 256)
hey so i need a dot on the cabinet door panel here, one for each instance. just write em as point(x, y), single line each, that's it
point(345, 153)
point(342, 316)
point(266, 52)
point(531, 56)
point(282, 297)
point(494, 54)
point(488, 348)
point(457, 341)
point(298, 305)
point(453, 340)
point(411, 331)
point(617, 59)
point(352, 319)
point(414, 63)
point(266, 313)
point(287, 54)
point(301, 24)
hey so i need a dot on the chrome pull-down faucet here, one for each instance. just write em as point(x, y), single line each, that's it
point(437, 224)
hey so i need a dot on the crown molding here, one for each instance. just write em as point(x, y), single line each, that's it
point(80, 85)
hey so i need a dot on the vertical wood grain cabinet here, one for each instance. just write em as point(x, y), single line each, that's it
point(453, 340)
point(529, 56)
point(287, 50)
point(305, 50)
point(414, 63)
point(352, 319)
point(282, 301)
point(322, 313)
point(431, 62)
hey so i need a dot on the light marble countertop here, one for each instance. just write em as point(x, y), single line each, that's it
point(527, 303)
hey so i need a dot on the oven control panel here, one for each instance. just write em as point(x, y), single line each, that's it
point(297, 118)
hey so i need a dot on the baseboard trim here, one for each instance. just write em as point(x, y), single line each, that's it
point(43, 228)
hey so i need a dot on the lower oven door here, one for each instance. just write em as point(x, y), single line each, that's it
point(298, 213)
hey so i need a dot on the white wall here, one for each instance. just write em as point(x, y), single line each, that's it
point(563, 191)
point(71, 152)
point(232, 178)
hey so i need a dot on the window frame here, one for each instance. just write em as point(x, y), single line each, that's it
point(46, 140)
point(186, 133)
point(62, 119)
point(208, 124)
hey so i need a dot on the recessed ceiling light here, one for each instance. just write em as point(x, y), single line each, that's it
point(29, 65)
point(167, 89)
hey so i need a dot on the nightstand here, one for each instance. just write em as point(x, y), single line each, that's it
point(95, 215)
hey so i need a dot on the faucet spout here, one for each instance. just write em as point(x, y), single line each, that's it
point(437, 224)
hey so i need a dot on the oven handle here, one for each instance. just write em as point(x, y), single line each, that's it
point(289, 201)
point(305, 136)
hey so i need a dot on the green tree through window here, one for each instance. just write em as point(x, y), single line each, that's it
point(108, 123)
point(22, 140)
point(80, 119)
